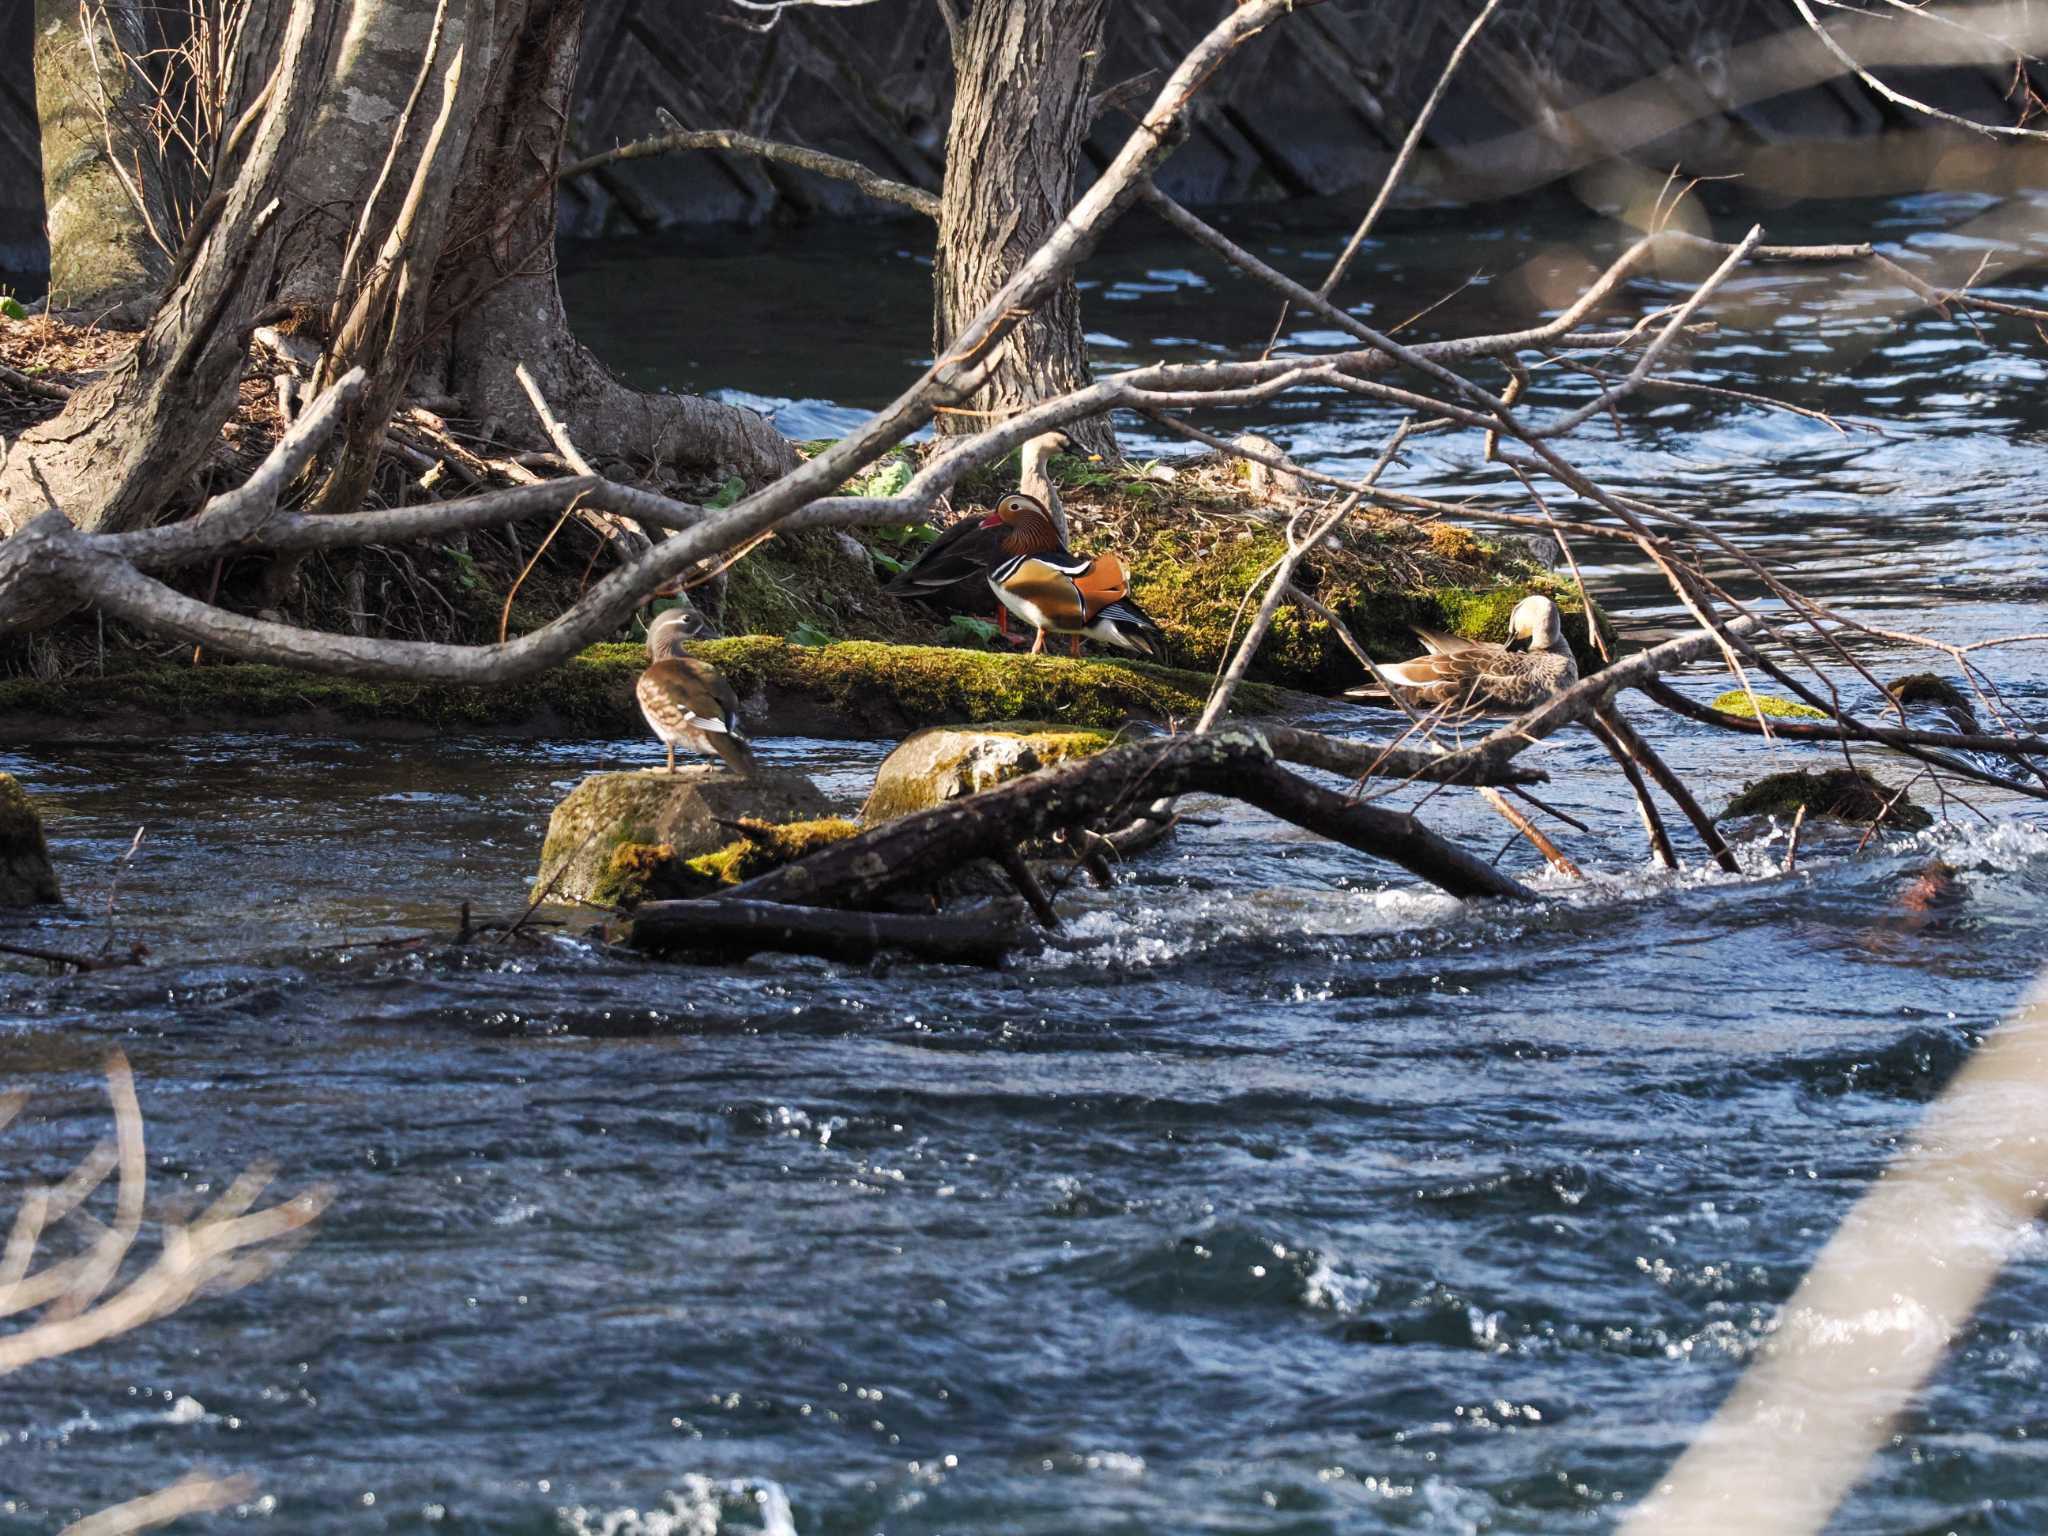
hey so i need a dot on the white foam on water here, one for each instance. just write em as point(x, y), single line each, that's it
point(1156, 933)
point(699, 1506)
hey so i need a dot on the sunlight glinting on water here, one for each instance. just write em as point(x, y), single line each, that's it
point(1275, 1187)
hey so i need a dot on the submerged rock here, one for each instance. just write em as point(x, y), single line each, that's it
point(944, 763)
point(1737, 701)
point(1927, 688)
point(609, 840)
point(26, 877)
point(1840, 794)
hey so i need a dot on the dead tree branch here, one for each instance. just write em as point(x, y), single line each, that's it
point(679, 138)
point(1105, 790)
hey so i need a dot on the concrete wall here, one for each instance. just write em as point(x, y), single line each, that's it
point(1313, 107)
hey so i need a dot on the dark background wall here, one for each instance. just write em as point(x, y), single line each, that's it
point(1313, 107)
point(21, 164)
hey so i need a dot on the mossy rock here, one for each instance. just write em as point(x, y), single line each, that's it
point(1193, 584)
point(863, 689)
point(1931, 688)
point(1839, 794)
point(944, 763)
point(615, 838)
point(763, 846)
point(1736, 702)
point(642, 872)
point(26, 878)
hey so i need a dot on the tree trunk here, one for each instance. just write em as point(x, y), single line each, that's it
point(101, 253)
point(497, 287)
point(124, 445)
point(1022, 73)
point(468, 294)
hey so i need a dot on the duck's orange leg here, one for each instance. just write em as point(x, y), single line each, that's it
point(1002, 621)
point(1073, 645)
point(1038, 645)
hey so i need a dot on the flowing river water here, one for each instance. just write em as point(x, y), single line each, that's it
point(1281, 1195)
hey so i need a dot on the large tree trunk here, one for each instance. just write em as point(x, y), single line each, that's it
point(466, 295)
point(121, 447)
point(496, 287)
point(101, 251)
point(1022, 73)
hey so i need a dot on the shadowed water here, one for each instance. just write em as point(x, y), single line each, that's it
point(1279, 1195)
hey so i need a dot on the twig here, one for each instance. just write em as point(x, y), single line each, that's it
point(1672, 785)
point(1027, 885)
point(1399, 168)
point(1792, 838)
point(27, 384)
point(1522, 824)
point(680, 138)
point(114, 887)
point(1653, 823)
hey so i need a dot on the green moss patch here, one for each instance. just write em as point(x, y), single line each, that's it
point(592, 694)
point(1843, 794)
point(1736, 702)
point(767, 846)
point(643, 872)
point(867, 689)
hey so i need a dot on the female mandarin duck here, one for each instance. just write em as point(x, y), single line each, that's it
point(952, 573)
point(1051, 588)
point(1471, 677)
point(684, 700)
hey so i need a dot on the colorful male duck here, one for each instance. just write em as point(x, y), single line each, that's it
point(952, 573)
point(684, 700)
point(1472, 677)
point(1053, 589)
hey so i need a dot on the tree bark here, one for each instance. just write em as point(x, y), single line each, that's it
point(101, 253)
point(472, 287)
point(123, 445)
point(496, 285)
point(1022, 73)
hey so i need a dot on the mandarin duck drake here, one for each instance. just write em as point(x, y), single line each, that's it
point(684, 700)
point(1053, 589)
point(1473, 677)
point(952, 572)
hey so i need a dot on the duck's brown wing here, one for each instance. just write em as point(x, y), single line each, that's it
point(963, 553)
point(1456, 679)
point(1440, 644)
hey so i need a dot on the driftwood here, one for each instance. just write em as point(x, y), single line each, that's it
point(730, 926)
point(1105, 790)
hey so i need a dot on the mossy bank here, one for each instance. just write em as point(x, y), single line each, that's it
point(852, 689)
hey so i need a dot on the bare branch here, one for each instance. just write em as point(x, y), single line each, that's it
point(679, 138)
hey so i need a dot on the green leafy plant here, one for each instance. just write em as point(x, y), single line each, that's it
point(11, 307)
point(728, 493)
point(808, 633)
point(965, 629)
point(888, 478)
point(466, 573)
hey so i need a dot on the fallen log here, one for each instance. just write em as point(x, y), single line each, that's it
point(728, 927)
point(1108, 789)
